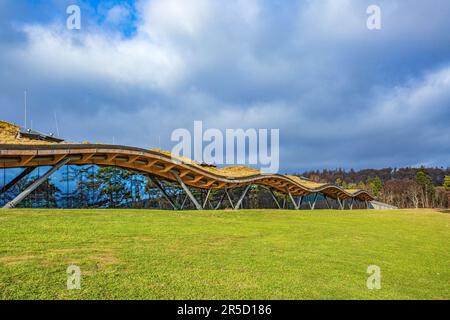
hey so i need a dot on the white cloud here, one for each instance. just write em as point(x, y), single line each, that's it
point(136, 62)
point(335, 20)
point(166, 18)
point(414, 103)
point(173, 41)
point(308, 68)
point(117, 14)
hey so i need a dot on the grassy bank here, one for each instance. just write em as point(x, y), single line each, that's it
point(126, 254)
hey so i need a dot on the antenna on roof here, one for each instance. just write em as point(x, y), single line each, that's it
point(25, 103)
point(56, 124)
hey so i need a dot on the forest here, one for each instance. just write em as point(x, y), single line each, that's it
point(402, 187)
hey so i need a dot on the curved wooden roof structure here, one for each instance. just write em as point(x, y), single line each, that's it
point(17, 151)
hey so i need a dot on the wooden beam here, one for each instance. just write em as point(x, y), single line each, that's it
point(168, 168)
point(111, 157)
point(26, 160)
point(197, 179)
point(132, 159)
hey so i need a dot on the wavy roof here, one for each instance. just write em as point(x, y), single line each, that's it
point(18, 151)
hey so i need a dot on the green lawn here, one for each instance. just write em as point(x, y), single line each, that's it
point(131, 254)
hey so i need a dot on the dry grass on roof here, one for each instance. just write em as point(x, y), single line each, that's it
point(352, 191)
point(306, 183)
point(230, 172)
point(176, 157)
point(233, 172)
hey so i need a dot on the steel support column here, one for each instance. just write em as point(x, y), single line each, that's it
point(300, 202)
point(274, 197)
point(206, 199)
point(36, 184)
point(164, 193)
point(184, 202)
point(220, 201)
point(352, 203)
point(340, 204)
point(314, 201)
point(19, 177)
point(326, 201)
point(229, 198)
point(292, 199)
point(188, 192)
point(239, 203)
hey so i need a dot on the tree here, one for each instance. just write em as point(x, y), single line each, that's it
point(401, 193)
point(426, 184)
point(376, 185)
point(113, 185)
point(412, 192)
point(47, 195)
point(340, 183)
point(447, 183)
point(105, 187)
point(442, 197)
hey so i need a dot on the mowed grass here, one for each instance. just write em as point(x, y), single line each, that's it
point(251, 254)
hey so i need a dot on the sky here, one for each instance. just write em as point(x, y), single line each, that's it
point(342, 96)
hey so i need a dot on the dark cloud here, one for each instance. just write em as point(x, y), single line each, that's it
point(341, 95)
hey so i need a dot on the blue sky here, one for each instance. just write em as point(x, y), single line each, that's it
point(341, 95)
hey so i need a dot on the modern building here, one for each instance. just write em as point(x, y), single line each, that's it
point(30, 149)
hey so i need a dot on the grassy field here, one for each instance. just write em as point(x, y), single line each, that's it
point(127, 254)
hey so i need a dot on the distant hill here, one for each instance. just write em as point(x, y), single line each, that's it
point(354, 177)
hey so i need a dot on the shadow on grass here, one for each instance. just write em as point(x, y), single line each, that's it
point(444, 210)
